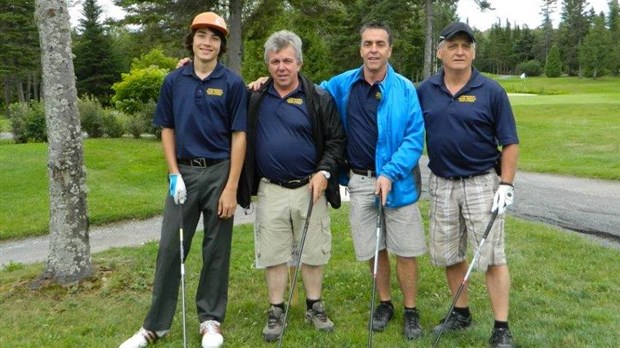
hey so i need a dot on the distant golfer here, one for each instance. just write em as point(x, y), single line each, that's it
point(202, 112)
point(467, 116)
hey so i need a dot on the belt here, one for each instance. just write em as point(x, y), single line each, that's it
point(200, 162)
point(365, 172)
point(293, 184)
point(465, 176)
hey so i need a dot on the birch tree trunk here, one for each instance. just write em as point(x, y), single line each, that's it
point(69, 251)
point(428, 39)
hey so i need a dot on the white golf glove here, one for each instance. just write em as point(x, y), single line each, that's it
point(503, 198)
point(177, 188)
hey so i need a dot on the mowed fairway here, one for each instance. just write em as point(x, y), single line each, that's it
point(573, 128)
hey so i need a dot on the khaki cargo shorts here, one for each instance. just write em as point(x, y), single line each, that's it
point(280, 219)
point(404, 229)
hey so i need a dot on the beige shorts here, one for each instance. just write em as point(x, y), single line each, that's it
point(460, 212)
point(404, 229)
point(280, 220)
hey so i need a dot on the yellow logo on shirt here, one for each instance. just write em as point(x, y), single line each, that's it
point(378, 96)
point(215, 91)
point(467, 99)
point(296, 101)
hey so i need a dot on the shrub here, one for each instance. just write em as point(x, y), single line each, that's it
point(91, 116)
point(28, 122)
point(138, 87)
point(141, 121)
point(154, 57)
point(114, 123)
point(531, 68)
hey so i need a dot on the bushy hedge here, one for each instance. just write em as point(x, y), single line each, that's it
point(28, 122)
point(91, 116)
point(531, 68)
point(114, 123)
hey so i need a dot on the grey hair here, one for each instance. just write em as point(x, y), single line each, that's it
point(281, 40)
point(443, 43)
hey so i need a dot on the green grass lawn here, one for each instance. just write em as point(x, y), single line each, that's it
point(126, 178)
point(572, 131)
point(564, 294)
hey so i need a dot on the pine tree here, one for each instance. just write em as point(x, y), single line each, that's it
point(553, 67)
point(96, 65)
point(594, 52)
point(613, 23)
point(573, 29)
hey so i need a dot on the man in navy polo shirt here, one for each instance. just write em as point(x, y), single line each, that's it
point(202, 112)
point(467, 116)
point(297, 143)
point(385, 134)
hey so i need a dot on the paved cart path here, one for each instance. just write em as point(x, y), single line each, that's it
point(583, 205)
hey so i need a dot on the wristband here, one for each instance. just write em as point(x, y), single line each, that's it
point(506, 183)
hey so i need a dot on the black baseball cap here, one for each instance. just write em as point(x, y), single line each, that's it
point(452, 29)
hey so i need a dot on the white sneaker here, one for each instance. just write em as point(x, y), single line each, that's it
point(211, 334)
point(143, 338)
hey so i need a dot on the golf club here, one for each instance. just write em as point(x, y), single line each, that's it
point(466, 278)
point(374, 273)
point(182, 274)
point(297, 266)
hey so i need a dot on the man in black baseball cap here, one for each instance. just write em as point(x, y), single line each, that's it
point(451, 30)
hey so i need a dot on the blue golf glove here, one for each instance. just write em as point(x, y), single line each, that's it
point(177, 188)
point(504, 196)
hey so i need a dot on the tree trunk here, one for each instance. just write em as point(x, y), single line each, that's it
point(428, 44)
point(69, 251)
point(234, 23)
point(20, 89)
point(6, 81)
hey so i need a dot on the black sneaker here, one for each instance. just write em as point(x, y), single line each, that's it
point(382, 315)
point(411, 321)
point(274, 327)
point(456, 322)
point(501, 338)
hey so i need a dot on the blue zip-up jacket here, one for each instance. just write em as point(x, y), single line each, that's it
point(400, 128)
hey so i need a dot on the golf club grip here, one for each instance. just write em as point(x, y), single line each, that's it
point(490, 224)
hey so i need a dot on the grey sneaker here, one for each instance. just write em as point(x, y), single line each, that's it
point(456, 322)
point(411, 321)
point(382, 315)
point(274, 327)
point(501, 338)
point(317, 316)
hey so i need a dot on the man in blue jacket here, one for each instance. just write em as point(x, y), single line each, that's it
point(385, 132)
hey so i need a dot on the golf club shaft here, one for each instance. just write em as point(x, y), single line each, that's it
point(466, 277)
point(374, 273)
point(182, 275)
point(297, 266)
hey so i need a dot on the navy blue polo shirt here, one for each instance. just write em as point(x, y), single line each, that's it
point(463, 131)
point(362, 130)
point(285, 148)
point(203, 113)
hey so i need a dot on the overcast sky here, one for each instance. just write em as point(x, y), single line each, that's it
point(521, 12)
point(518, 12)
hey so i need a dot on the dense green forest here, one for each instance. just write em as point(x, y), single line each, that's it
point(141, 45)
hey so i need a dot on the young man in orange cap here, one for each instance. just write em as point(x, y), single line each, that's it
point(202, 112)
